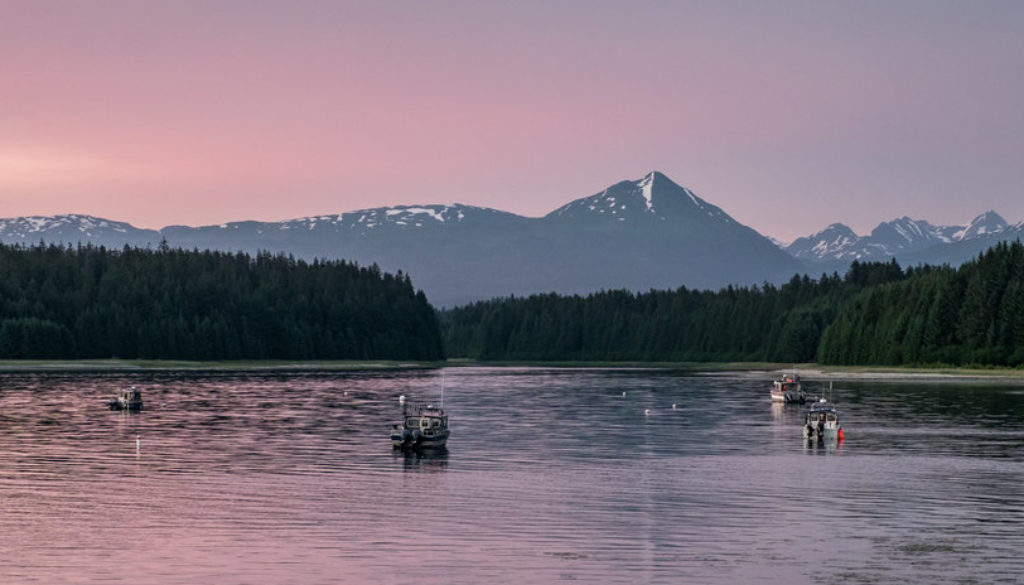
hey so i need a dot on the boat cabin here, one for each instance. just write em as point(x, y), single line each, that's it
point(427, 420)
point(822, 412)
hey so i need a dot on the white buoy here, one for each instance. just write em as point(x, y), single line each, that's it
point(623, 394)
point(647, 411)
point(673, 406)
point(401, 399)
point(138, 444)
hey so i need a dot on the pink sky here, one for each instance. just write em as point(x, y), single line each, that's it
point(789, 115)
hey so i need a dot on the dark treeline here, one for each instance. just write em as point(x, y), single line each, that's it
point(87, 302)
point(973, 315)
point(877, 314)
point(765, 323)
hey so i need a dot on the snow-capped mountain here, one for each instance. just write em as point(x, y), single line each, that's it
point(652, 198)
point(906, 234)
point(400, 217)
point(73, 228)
point(836, 241)
point(986, 224)
point(641, 234)
point(904, 238)
point(638, 234)
point(321, 236)
point(654, 233)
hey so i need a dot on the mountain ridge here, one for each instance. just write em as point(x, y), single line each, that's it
point(908, 240)
point(634, 234)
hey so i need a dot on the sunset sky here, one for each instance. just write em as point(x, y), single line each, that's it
point(789, 115)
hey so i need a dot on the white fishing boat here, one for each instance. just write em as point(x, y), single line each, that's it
point(788, 389)
point(822, 423)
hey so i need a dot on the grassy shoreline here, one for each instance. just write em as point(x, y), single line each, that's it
point(117, 365)
point(809, 371)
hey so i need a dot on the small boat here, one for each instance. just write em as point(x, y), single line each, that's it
point(425, 428)
point(130, 400)
point(788, 389)
point(822, 423)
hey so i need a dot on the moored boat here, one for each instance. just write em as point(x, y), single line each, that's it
point(129, 400)
point(822, 422)
point(424, 428)
point(788, 389)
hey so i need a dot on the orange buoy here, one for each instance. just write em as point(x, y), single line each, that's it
point(840, 435)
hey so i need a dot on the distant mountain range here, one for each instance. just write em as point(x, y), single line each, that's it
point(637, 235)
point(909, 241)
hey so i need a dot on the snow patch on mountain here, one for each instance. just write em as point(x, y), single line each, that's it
point(646, 186)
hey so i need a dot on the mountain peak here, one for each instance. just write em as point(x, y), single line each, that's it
point(905, 232)
point(898, 237)
point(646, 186)
point(657, 175)
point(986, 223)
point(653, 197)
point(838, 227)
point(837, 240)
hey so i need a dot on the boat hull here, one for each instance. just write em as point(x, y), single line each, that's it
point(414, 440)
point(828, 433)
point(115, 404)
point(788, 397)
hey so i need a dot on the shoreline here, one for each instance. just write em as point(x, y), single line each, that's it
point(115, 365)
point(810, 371)
point(931, 375)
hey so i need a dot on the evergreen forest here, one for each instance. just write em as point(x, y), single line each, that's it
point(876, 314)
point(90, 302)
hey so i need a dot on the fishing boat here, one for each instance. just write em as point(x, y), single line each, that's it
point(425, 427)
point(787, 389)
point(822, 423)
point(129, 400)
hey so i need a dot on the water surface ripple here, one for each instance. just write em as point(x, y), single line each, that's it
point(552, 475)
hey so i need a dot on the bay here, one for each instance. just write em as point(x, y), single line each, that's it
point(551, 475)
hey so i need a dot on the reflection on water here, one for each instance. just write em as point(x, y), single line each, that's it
point(550, 475)
point(423, 460)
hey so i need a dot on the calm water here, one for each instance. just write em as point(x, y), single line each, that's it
point(550, 476)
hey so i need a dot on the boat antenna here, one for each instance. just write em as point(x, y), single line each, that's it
point(442, 390)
